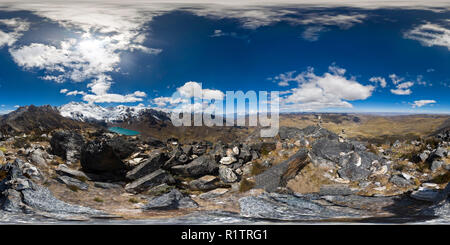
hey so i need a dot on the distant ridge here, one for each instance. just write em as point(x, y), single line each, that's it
point(32, 118)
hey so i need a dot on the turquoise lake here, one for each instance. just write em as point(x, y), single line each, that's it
point(123, 131)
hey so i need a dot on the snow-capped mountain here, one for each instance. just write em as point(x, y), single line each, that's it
point(90, 112)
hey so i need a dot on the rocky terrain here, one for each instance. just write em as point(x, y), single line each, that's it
point(72, 171)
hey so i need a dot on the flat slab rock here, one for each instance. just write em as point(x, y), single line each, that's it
point(72, 182)
point(25, 196)
point(214, 193)
point(172, 200)
point(286, 207)
point(151, 180)
point(335, 190)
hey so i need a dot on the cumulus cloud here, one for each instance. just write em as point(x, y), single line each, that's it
point(401, 87)
point(430, 34)
point(420, 103)
point(379, 80)
point(188, 91)
point(330, 90)
point(105, 31)
point(16, 27)
point(78, 60)
point(180, 100)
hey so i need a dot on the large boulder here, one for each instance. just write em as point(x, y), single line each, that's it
point(278, 175)
point(18, 193)
point(285, 207)
point(227, 175)
point(73, 183)
point(67, 144)
point(151, 180)
point(172, 200)
point(203, 165)
point(63, 169)
point(330, 149)
point(353, 167)
point(205, 183)
point(105, 154)
point(156, 161)
point(437, 154)
point(38, 157)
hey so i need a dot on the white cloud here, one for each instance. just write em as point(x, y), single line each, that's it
point(420, 103)
point(402, 88)
point(187, 90)
point(379, 80)
point(312, 33)
point(75, 92)
point(331, 90)
point(16, 26)
point(181, 99)
point(63, 91)
point(285, 78)
point(105, 31)
point(429, 34)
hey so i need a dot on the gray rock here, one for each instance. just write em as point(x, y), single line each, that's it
point(330, 149)
point(436, 165)
point(159, 190)
point(400, 181)
point(156, 161)
point(441, 210)
point(12, 201)
point(227, 175)
point(38, 158)
point(203, 165)
point(274, 177)
point(105, 185)
point(205, 183)
point(422, 157)
point(175, 156)
point(335, 190)
point(425, 194)
point(437, 154)
point(245, 154)
point(284, 207)
point(353, 167)
point(255, 155)
point(63, 169)
point(214, 193)
point(105, 154)
point(72, 182)
point(172, 200)
point(36, 198)
point(67, 144)
point(27, 169)
point(153, 179)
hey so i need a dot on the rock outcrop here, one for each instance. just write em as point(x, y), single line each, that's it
point(67, 145)
point(105, 154)
point(20, 194)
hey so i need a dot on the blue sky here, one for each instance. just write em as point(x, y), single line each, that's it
point(334, 58)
